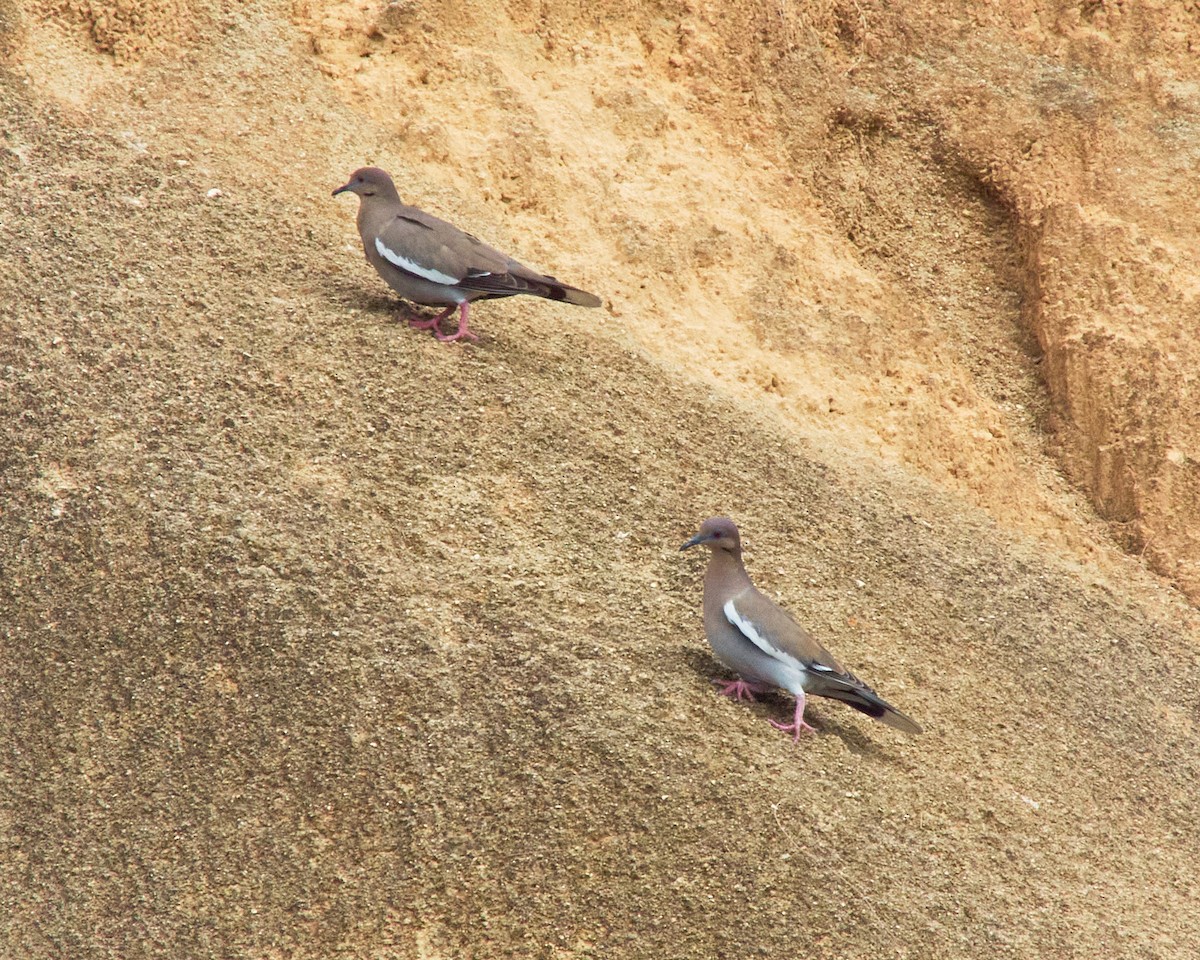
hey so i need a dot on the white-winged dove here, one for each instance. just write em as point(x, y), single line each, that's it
point(431, 262)
point(759, 640)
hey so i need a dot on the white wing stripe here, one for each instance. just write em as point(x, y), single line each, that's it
point(425, 273)
point(766, 646)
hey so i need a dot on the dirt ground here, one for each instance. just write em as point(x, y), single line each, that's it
point(324, 639)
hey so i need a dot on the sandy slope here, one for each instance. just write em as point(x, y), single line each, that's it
point(323, 639)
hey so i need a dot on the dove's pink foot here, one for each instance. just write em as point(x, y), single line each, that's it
point(418, 323)
point(797, 726)
point(739, 689)
point(462, 330)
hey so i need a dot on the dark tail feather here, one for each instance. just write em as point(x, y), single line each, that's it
point(554, 289)
point(870, 703)
point(520, 279)
point(580, 298)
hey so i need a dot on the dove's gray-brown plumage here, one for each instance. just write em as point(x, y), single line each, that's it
point(432, 262)
point(759, 640)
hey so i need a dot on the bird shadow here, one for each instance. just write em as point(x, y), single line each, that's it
point(390, 310)
point(354, 297)
point(768, 706)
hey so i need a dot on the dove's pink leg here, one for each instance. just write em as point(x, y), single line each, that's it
point(797, 726)
point(462, 330)
point(739, 689)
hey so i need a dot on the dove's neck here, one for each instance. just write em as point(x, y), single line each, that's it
point(726, 575)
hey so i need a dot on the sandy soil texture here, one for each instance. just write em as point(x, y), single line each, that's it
point(319, 638)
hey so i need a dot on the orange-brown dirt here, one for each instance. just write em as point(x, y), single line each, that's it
point(321, 638)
